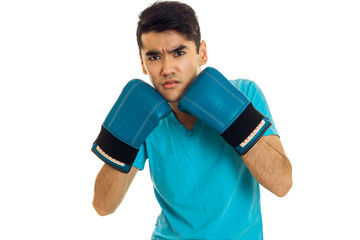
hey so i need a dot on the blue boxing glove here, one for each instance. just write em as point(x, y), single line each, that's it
point(135, 114)
point(215, 101)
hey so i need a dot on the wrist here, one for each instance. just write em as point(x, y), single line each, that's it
point(246, 130)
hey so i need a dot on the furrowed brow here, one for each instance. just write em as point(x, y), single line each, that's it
point(178, 48)
point(152, 53)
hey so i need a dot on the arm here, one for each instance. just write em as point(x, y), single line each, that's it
point(134, 115)
point(268, 163)
point(111, 187)
point(232, 114)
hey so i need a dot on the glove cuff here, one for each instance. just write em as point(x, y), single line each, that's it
point(113, 151)
point(246, 130)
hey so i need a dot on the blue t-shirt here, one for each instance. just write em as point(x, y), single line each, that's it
point(202, 185)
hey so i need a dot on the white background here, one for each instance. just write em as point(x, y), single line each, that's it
point(64, 63)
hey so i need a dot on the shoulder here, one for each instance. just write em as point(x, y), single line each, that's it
point(254, 93)
point(248, 87)
point(241, 83)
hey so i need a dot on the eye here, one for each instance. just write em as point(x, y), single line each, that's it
point(179, 53)
point(154, 58)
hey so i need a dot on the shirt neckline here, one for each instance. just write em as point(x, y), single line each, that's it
point(182, 128)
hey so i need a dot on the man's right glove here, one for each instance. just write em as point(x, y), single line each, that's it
point(135, 114)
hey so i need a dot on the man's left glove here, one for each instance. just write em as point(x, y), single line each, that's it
point(215, 101)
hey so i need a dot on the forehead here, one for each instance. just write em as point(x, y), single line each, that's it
point(165, 40)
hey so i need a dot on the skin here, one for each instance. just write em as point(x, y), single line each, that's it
point(172, 62)
point(168, 57)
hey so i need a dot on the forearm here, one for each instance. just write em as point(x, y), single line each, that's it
point(233, 115)
point(110, 189)
point(269, 165)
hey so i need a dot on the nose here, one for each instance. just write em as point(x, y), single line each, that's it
point(168, 68)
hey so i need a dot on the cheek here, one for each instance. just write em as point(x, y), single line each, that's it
point(191, 68)
point(151, 72)
point(187, 64)
point(153, 81)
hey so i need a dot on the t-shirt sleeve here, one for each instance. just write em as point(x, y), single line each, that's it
point(141, 158)
point(257, 97)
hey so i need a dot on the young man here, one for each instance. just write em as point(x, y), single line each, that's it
point(209, 141)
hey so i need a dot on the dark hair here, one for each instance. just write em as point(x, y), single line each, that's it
point(169, 15)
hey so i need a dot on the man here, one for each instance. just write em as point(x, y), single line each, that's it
point(209, 141)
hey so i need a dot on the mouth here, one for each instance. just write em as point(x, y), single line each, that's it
point(170, 83)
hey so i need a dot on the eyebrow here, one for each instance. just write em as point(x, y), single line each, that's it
point(176, 49)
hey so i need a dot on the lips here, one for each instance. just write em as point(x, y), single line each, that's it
point(170, 83)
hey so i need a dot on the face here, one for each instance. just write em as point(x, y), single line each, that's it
point(171, 61)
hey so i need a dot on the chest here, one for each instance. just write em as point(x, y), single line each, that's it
point(187, 163)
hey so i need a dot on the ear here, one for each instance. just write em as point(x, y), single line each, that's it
point(203, 53)
point(142, 64)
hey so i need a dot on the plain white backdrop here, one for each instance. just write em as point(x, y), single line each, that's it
point(64, 63)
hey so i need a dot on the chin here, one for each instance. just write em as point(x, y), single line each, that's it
point(172, 100)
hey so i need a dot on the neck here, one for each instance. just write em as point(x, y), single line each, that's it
point(185, 119)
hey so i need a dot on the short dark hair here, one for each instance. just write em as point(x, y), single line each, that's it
point(169, 15)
